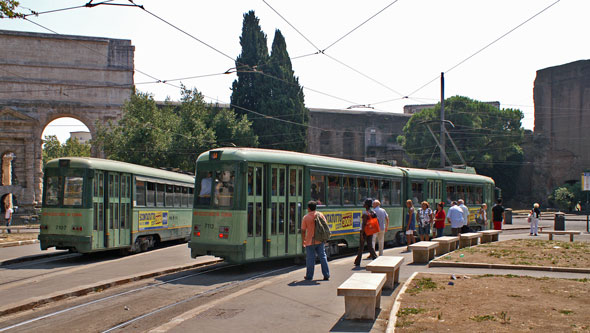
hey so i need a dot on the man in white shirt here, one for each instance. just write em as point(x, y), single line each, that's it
point(383, 219)
point(455, 217)
point(8, 217)
point(465, 211)
point(205, 193)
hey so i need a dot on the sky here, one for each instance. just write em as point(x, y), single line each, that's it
point(375, 53)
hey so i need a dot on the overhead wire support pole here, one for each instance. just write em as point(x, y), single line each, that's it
point(442, 120)
point(443, 153)
point(456, 149)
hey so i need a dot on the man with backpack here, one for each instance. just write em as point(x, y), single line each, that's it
point(314, 242)
point(364, 237)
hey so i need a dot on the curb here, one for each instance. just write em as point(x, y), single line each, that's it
point(25, 242)
point(397, 303)
point(503, 266)
point(98, 288)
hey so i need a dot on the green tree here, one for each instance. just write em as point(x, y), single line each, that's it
point(488, 138)
point(171, 135)
point(564, 198)
point(52, 148)
point(8, 9)
point(267, 85)
point(286, 103)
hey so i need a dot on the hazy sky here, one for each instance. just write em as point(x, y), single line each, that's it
point(398, 51)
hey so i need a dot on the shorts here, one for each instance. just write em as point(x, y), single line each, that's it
point(425, 230)
point(410, 232)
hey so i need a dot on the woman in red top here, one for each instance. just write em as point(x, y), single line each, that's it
point(439, 219)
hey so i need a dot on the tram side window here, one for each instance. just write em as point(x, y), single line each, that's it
point(292, 182)
point(417, 193)
point(169, 195)
point(361, 188)
point(52, 190)
point(478, 195)
point(385, 193)
point(373, 189)
point(250, 180)
point(317, 189)
point(73, 191)
point(348, 191)
point(189, 195)
point(274, 181)
point(396, 190)
point(333, 191)
point(282, 181)
point(224, 188)
point(139, 193)
point(178, 196)
point(151, 195)
point(451, 194)
point(160, 190)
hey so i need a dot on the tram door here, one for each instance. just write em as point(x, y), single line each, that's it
point(434, 194)
point(112, 213)
point(98, 235)
point(295, 211)
point(278, 210)
point(256, 230)
point(125, 211)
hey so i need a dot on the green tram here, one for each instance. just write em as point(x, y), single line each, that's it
point(249, 202)
point(92, 204)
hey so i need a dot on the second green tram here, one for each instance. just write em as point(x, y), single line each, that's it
point(249, 203)
point(92, 204)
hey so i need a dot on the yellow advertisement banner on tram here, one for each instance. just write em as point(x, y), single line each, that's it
point(149, 220)
point(344, 221)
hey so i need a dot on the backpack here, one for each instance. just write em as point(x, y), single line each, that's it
point(322, 230)
point(372, 226)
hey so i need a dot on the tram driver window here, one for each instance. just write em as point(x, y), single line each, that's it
point(317, 189)
point(224, 188)
point(52, 191)
point(205, 182)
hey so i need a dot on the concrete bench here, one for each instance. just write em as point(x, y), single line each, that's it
point(468, 239)
point(560, 232)
point(446, 244)
point(362, 294)
point(423, 252)
point(388, 265)
point(488, 236)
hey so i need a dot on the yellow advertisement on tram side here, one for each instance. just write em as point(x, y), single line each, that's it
point(342, 222)
point(149, 220)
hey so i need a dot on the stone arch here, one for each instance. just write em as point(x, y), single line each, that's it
point(326, 143)
point(56, 76)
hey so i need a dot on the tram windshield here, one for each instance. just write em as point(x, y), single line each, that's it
point(66, 191)
point(216, 186)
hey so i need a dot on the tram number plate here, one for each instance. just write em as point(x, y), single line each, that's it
point(209, 226)
point(60, 227)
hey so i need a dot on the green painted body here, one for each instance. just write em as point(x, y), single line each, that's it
point(81, 228)
point(229, 232)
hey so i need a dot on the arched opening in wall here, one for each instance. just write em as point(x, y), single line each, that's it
point(8, 200)
point(65, 136)
point(325, 143)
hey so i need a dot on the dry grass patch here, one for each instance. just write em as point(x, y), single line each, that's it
point(526, 252)
point(14, 237)
point(494, 303)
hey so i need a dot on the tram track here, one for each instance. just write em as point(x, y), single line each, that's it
point(215, 268)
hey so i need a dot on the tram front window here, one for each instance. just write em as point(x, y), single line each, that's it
point(52, 191)
point(224, 188)
point(215, 186)
point(73, 191)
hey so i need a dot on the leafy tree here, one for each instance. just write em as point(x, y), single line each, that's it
point(267, 85)
point(564, 198)
point(52, 148)
point(488, 138)
point(8, 9)
point(171, 135)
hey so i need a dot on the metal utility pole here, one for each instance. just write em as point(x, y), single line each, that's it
point(442, 120)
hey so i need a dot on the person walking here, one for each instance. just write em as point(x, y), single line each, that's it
point(425, 221)
point(313, 248)
point(498, 214)
point(439, 219)
point(482, 214)
point(455, 217)
point(465, 210)
point(364, 237)
point(410, 223)
point(8, 216)
point(383, 219)
point(535, 216)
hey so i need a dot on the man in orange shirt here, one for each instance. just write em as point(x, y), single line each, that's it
point(313, 247)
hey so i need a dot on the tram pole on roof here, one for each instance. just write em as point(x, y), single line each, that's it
point(442, 120)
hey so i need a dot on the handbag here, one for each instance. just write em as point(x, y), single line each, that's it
point(528, 219)
point(372, 226)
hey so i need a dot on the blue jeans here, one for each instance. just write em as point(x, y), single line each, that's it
point(311, 251)
point(439, 232)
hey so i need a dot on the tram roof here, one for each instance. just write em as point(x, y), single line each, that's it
point(295, 158)
point(111, 165)
point(447, 175)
